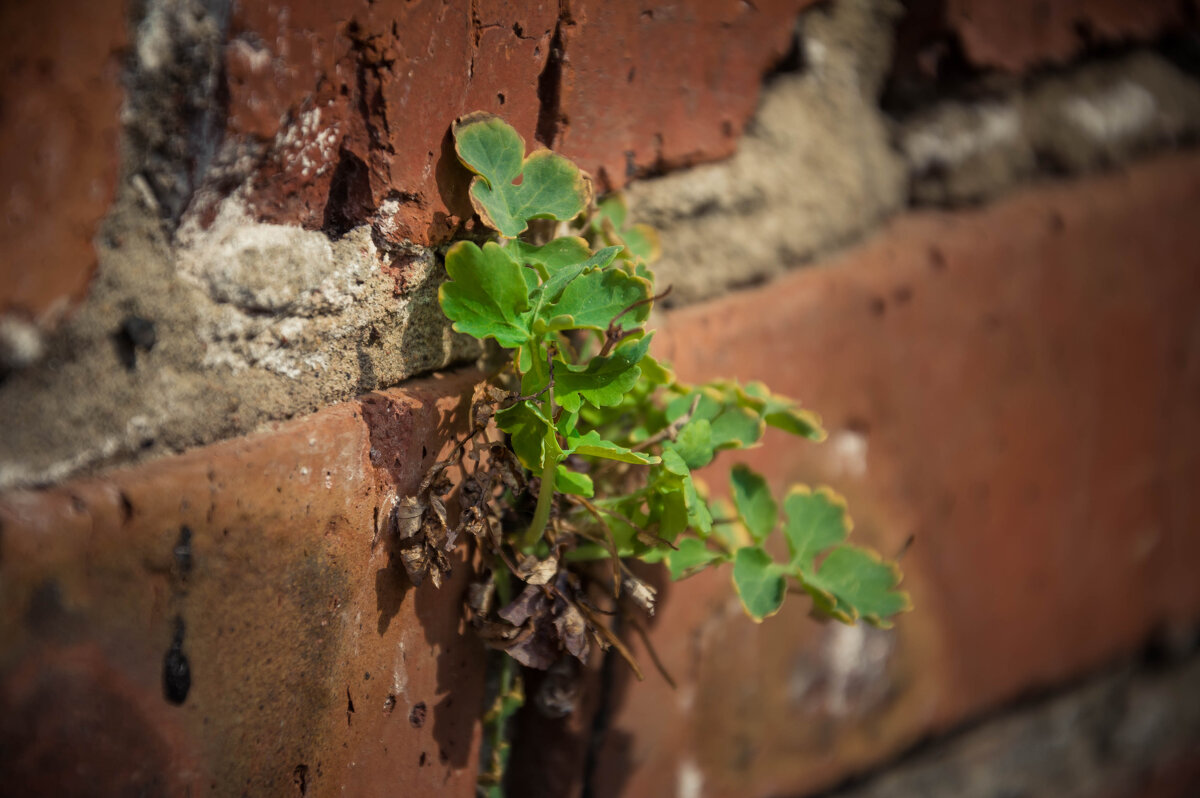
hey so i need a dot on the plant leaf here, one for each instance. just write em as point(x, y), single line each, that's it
point(754, 502)
point(815, 521)
point(573, 482)
point(527, 427)
point(604, 380)
point(699, 517)
point(694, 443)
point(593, 445)
point(610, 221)
point(759, 582)
point(552, 256)
point(550, 291)
point(486, 295)
point(854, 582)
point(595, 299)
point(690, 557)
point(780, 412)
point(551, 186)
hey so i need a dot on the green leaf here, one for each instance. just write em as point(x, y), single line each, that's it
point(604, 380)
point(573, 482)
point(759, 582)
point(550, 291)
point(551, 186)
point(781, 412)
point(855, 583)
point(690, 557)
point(669, 510)
point(610, 221)
point(694, 443)
point(754, 503)
point(673, 462)
point(804, 423)
point(527, 428)
point(699, 517)
point(594, 300)
point(486, 295)
point(656, 372)
point(593, 445)
point(736, 428)
point(815, 521)
point(550, 257)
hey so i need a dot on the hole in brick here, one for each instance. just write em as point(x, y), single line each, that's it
point(500, 97)
point(177, 673)
point(937, 260)
point(389, 704)
point(421, 761)
point(183, 551)
point(417, 716)
point(136, 334)
point(300, 778)
point(349, 706)
point(126, 507)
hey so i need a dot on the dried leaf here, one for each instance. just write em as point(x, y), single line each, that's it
point(407, 513)
point(537, 572)
point(639, 592)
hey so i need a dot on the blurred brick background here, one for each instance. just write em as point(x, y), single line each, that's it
point(963, 232)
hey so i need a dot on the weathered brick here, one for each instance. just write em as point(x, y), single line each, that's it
point(1022, 34)
point(1016, 388)
point(227, 620)
point(354, 105)
point(61, 94)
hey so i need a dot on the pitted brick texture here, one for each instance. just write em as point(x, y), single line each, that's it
point(230, 621)
point(1014, 387)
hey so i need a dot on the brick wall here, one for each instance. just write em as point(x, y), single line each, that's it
point(965, 237)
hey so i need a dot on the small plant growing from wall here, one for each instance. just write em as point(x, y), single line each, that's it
point(583, 448)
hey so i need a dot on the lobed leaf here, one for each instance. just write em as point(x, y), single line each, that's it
point(691, 556)
point(759, 582)
point(855, 583)
point(592, 445)
point(527, 427)
point(780, 412)
point(551, 186)
point(573, 482)
point(552, 256)
point(694, 443)
point(604, 380)
point(487, 295)
point(755, 505)
point(815, 522)
point(594, 300)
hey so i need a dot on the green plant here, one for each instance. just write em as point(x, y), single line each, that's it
point(595, 464)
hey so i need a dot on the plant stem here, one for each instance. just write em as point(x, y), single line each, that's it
point(541, 515)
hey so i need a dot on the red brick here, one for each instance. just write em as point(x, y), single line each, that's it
point(1024, 379)
point(1021, 34)
point(377, 87)
point(292, 613)
point(60, 71)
